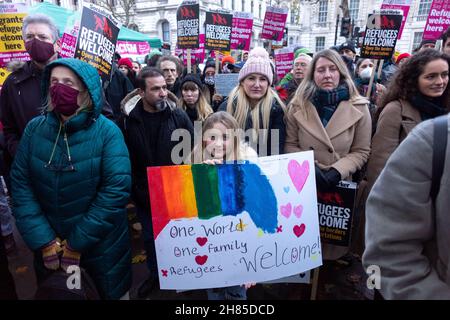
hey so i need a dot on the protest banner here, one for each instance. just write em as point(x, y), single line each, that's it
point(284, 59)
point(274, 23)
point(381, 34)
point(197, 55)
point(218, 30)
point(304, 277)
point(225, 82)
point(438, 20)
point(225, 225)
point(97, 39)
point(12, 46)
point(3, 75)
point(336, 212)
point(69, 42)
point(241, 33)
point(188, 25)
point(403, 5)
point(132, 48)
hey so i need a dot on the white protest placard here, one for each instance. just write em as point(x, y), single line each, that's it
point(226, 225)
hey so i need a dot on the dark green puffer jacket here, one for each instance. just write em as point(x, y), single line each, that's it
point(82, 200)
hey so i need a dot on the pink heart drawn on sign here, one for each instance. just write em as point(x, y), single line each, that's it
point(286, 210)
point(298, 210)
point(201, 241)
point(298, 173)
point(299, 230)
point(201, 259)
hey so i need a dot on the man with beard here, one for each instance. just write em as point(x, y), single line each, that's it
point(171, 68)
point(298, 72)
point(148, 129)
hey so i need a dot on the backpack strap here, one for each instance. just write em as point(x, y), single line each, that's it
point(440, 133)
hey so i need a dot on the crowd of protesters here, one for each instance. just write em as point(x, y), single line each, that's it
point(75, 152)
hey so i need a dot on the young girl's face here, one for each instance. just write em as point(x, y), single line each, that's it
point(218, 142)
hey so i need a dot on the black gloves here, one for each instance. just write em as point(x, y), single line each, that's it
point(326, 180)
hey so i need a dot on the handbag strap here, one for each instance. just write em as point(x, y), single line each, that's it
point(440, 133)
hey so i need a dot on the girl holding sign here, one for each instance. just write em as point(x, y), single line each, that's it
point(329, 116)
point(256, 106)
point(220, 143)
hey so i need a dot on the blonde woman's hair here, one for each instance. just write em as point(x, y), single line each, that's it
point(202, 105)
point(199, 153)
point(239, 106)
point(307, 88)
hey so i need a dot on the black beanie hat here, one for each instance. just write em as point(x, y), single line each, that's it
point(193, 78)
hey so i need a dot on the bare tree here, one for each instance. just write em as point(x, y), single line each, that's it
point(122, 10)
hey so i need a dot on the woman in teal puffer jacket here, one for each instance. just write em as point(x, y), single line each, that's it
point(71, 180)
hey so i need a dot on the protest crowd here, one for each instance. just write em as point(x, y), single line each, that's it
point(78, 148)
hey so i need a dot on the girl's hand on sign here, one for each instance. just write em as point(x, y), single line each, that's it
point(213, 162)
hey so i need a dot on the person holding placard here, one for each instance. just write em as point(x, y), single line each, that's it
point(328, 116)
point(256, 106)
point(418, 92)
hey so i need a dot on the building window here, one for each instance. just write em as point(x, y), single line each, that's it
point(165, 28)
point(243, 5)
point(320, 43)
point(417, 39)
point(323, 12)
point(232, 4)
point(251, 6)
point(354, 9)
point(424, 9)
point(291, 40)
point(260, 10)
point(221, 3)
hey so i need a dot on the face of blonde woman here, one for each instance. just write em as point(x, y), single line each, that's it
point(434, 79)
point(326, 74)
point(255, 86)
point(218, 141)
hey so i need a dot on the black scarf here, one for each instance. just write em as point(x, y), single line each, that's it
point(428, 107)
point(327, 101)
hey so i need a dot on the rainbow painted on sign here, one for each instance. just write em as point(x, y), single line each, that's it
point(206, 191)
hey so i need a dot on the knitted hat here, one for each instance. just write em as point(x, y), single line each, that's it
point(126, 62)
point(347, 45)
point(426, 41)
point(153, 52)
point(302, 51)
point(402, 56)
point(193, 78)
point(258, 62)
point(228, 59)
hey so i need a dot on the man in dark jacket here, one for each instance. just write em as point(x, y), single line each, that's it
point(117, 89)
point(148, 129)
point(20, 98)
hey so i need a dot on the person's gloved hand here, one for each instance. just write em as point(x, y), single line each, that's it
point(69, 256)
point(333, 177)
point(321, 180)
point(50, 254)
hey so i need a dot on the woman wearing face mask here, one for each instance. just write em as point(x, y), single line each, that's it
point(192, 100)
point(256, 106)
point(208, 78)
point(71, 182)
point(328, 116)
point(418, 92)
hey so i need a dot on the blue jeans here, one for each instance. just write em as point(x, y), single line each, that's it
point(149, 242)
point(227, 293)
point(5, 213)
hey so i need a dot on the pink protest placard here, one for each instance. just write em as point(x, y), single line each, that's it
point(197, 55)
point(68, 45)
point(139, 48)
point(274, 22)
point(438, 19)
point(402, 5)
point(241, 33)
point(284, 59)
point(12, 46)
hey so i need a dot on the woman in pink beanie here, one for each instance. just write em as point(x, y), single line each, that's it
point(255, 105)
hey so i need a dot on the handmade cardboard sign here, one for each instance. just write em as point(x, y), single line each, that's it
point(225, 82)
point(225, 225)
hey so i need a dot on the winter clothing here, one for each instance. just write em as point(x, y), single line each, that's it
point(326, 101)
point(7, 289)
point(50, 255)
point(347, 45)
point(276, 122)
point(117, 89)
point(72, 180)
point(402, 56)
point(193, 78)
point(258, 62)
point(428, 108)
point(20, 101)
point(406, 233)
point(344, 144)
point(138, 142)
point(126, 62)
